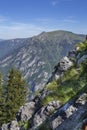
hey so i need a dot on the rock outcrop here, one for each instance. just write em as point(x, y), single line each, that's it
point(68, 119)
point(14, 125)
point(11, 126)
point(25, 112)
point(45, 112)
point(65, 64)
point(5, 127)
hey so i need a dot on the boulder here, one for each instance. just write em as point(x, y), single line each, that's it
point(14, 125)
point(11, 126)
point(25, 112)
point(56, 122)
point(57, 76)
point(82, 99)
point(65, 64)
point(5, 127)
point(70, 111)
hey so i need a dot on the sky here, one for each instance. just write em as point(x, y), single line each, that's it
point(26, 18)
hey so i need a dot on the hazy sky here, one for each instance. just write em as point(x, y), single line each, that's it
point(25, 18)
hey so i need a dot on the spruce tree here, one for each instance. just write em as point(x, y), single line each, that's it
point(21, 89)
point(15, 94)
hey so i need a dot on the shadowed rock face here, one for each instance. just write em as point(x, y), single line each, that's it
point(72, 122)
point(73, 114)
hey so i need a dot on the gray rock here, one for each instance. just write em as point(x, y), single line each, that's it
point(57, 76)
point(11, 126)
point(56, 122)
point(44, 112)
point(5, 127)
point(49, 109)
point(72, 122)
point(14, 125)
point(82, 99)
point(70, 111)
point(65, 64)
point(73, 114)
point(26, 111)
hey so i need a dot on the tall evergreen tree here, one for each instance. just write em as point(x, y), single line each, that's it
point(15, 94)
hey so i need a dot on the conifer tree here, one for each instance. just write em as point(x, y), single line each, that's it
point(15, 94)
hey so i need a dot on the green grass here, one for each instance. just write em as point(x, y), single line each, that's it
point(24, 124)
point(46, 100)
point(82, 46)
point(70, 84)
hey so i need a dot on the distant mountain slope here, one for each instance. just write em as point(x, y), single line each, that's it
point(8, 46)
point(37, 55)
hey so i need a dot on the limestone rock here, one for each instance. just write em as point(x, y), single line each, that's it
point(82, 99)
point(57, 76)
point(65, 64)
point(44, 112)
point(14, 125)
point(26, 111)
point(5, 127)
point(56, 122)
point(70, 111)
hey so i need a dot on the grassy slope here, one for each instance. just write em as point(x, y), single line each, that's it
point(71, 83)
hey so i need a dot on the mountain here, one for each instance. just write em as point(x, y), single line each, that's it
point(62, 104)
point(8, 46)
point(36, 56)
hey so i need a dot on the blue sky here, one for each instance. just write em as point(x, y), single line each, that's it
point(25, 18)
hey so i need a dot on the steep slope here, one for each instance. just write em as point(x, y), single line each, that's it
point(8, 46)
point(62, 104)
point(68, 85)
point(37, 55)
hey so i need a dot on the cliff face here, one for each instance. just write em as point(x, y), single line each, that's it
point(62, 104)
